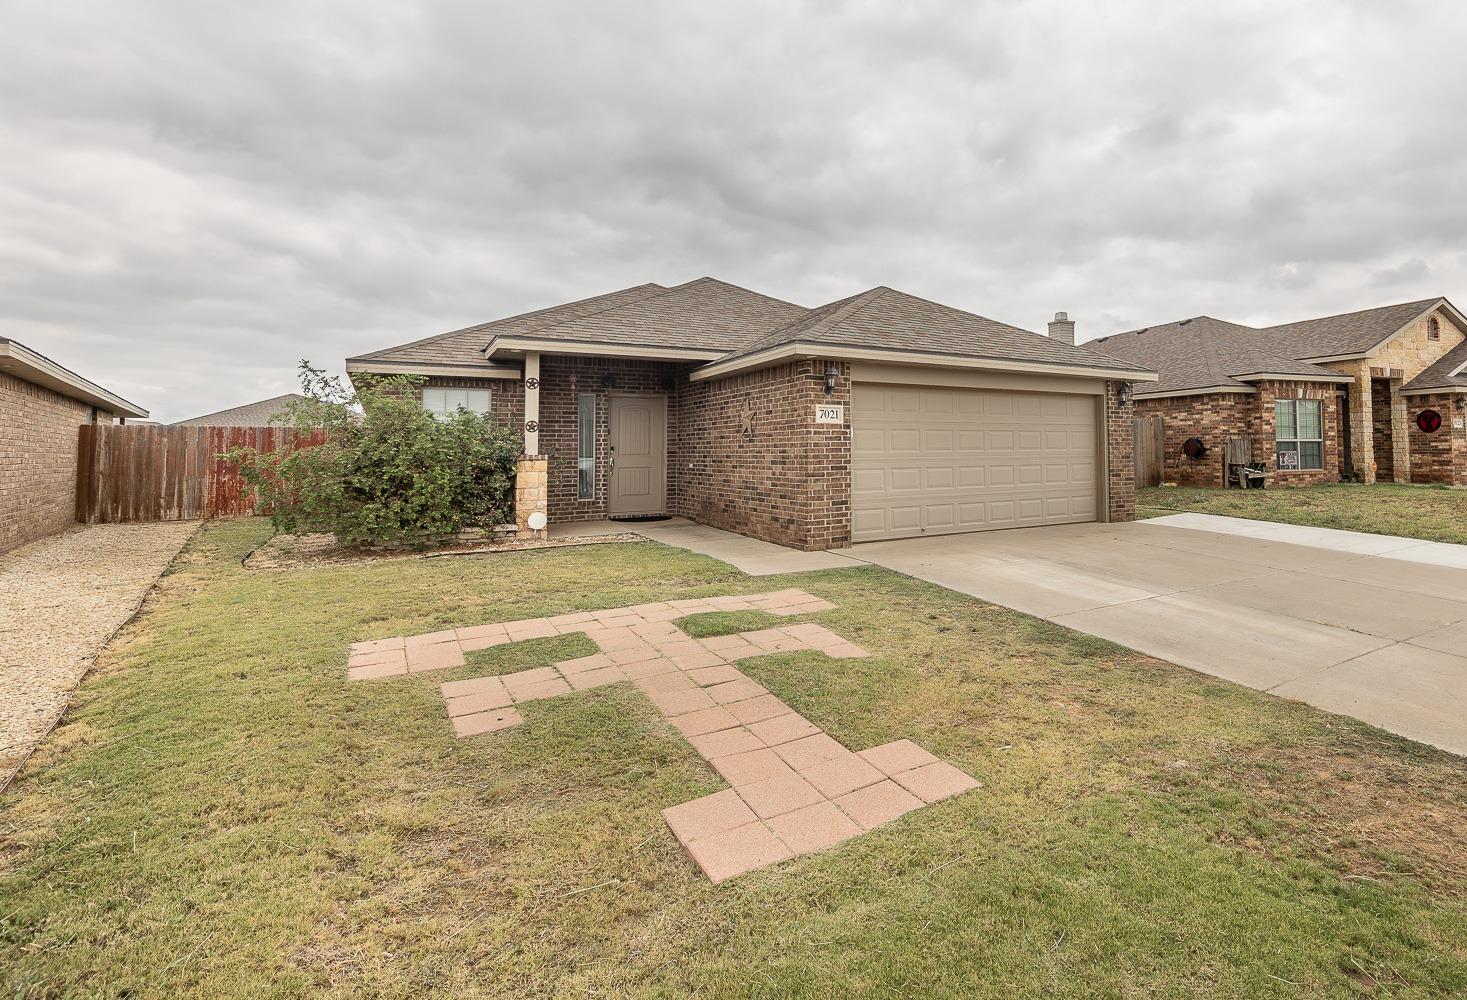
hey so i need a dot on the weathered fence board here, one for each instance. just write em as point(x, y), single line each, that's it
point(1148, 450)
point(142, 473)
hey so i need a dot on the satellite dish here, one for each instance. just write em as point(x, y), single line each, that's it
point(536, 521)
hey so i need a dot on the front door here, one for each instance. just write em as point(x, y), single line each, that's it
point(638, 456)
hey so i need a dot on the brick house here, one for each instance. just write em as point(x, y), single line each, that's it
point(41, 406)
point(1370, 396)
point(877, 416)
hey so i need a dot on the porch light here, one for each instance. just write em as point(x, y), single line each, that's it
point(1125, 394)
point(831, 374)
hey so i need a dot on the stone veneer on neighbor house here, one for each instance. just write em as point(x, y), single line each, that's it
point(1214, 417)
point(38, 450)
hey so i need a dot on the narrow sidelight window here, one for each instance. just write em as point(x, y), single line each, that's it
point(586, 453)
point(1298, 434)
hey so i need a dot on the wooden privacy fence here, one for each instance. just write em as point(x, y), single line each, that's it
point(131, 473)
point(1149, 456)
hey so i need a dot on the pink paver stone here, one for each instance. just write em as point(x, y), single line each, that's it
point(746, 768)
point(894, 758)
point(935, 782)
point(814, 828)
point(707, 720)
point(723, 742)
point(766, 706)
point(733, 852)
point(780, 794)
point(784, 729)
point(795, 789)
point(877, 804)
point(485, 722)
point(839, 775)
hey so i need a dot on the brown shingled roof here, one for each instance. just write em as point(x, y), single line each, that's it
point(1348, 333)
point(257, 414)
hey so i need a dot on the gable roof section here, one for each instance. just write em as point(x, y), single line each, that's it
point(465, 347)
point(32, 366)
point(256, 414)
point(701, 319)
point(884, 322)
point(1348, 334)
point(1447, 374)
point(1203, 353)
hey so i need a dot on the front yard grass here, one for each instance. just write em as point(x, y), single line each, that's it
point(1436, 514)
point(222, 814)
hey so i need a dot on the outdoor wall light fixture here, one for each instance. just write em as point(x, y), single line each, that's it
point(1125, 395)
point(831, 374)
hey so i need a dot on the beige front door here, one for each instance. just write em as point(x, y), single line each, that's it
point(933, 461)
point(638, 457)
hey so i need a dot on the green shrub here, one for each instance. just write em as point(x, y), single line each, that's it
point(388, 471)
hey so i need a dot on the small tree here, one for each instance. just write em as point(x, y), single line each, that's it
point(388, 471)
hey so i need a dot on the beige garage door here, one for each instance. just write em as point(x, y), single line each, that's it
point(929, 461)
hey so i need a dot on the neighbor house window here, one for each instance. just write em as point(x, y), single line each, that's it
point(1433, 328)
point(443, 403)
point(1299, 434)
point(586, 449)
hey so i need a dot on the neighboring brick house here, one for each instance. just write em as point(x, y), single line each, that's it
point(878, 416)
point(1371, 396)
point(41, 406)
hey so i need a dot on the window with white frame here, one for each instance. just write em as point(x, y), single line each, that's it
point(1298, 434)
point(586, 448)
point(443, 403)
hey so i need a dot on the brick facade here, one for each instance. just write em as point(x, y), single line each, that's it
point(753, 460)
point(1120, 449)
point(38, 449)
point(1214, 417)
point(1441, 456)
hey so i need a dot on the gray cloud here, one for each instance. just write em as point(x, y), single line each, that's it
point(196, 195)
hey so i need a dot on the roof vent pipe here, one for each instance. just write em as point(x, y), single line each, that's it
point(1062, 328)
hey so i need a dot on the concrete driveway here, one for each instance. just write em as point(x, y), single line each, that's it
point(1364, 625)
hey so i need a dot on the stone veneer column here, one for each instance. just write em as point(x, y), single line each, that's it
point(1362, 427)
point(531, 495)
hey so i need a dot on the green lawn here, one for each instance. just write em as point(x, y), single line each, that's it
point(1434, 513)
point(222, 814)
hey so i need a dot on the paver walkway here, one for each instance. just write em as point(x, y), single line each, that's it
point(61, 598)
point(795, 790)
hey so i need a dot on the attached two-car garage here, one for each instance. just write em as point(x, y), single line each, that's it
point(933, 459)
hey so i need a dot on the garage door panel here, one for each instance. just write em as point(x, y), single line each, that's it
point(932, 461)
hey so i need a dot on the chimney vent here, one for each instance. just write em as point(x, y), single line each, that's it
point(1062, 328)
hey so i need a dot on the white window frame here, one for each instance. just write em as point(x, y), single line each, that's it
point(1296, 440)
point(437, 400)
point(585, 447)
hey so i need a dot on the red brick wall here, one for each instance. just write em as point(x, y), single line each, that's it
point(753, 460)
point(38, 442)
point(1263, 441)
point(1212, 418)
point(1380, 430)
point(562, 380)
point(1215, 417)
point(1441, 456)
point(1120, 448)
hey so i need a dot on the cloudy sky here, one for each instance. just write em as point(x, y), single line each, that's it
point(195, 195)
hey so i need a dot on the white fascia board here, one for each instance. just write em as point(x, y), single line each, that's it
point(25, 363)
point(417, 368)
point(1281, 377)
point(521, 344)
point(1212, 390)
point(787, 352)
point(1441, 390)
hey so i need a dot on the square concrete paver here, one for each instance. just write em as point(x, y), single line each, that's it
point(484, 701)
point(706, 720)
point(814, 828)
point(746, 768)
point(877, 804)
point(766, 706)
point(780, 794)
point(784, 729)
point(809, 751)
point(439, 656)
point(839, 775)
point(476, 685)
point(894, 758)
point(393, 668)
point(596, 678)
point(726, 741)
point(935, 782)
point(739, 690)
point(708, 676)
point(704, 817)
point(485, 722)
point(542, 689)
point(733, 852)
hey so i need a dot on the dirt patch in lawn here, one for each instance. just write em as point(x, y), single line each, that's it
point(312, 551)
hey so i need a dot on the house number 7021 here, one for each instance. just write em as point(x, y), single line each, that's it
point(830, 414)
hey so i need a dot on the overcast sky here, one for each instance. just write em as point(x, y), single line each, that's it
point(195, 195)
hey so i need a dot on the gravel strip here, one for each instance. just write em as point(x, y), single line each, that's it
point(61, 599)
